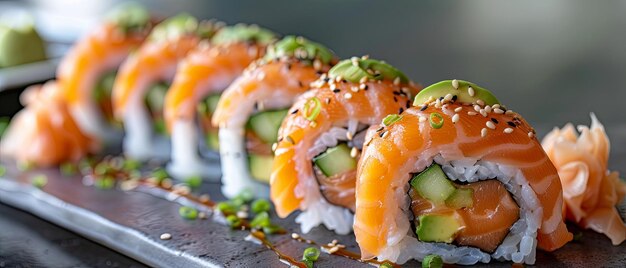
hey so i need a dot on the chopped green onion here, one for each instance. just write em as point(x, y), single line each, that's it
point(105, 183)
point(311, 253)
point(273, 229)
point(311, 113)
point(40, 181)
point(261, 220)
point(432, 261)
point(246, 196)
point(102, 168)
point(390, 119)
point(3, 170)
point(226, 208)
point(194, 181)
point(386, 264)
point(68, 168)
point(260, 205)
point(131, 164)
point(233, 221)
point(578, 236)
point(436, 120)
point(308, 263)
point(188, 213)
point(160, 174)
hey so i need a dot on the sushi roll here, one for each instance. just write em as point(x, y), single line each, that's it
point(320, 140)
point(143, 79)
point(44, 133)
point(460, 176)
point(193, 96)
point(86, 73)
point(251, 110)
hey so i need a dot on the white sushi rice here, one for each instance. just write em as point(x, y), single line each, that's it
point(316, 209)
point(91, 121)
point(141, 142)
point(186, 160)
point(236, 175)
point(518, 246)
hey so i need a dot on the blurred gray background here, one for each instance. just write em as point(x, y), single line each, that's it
point(552, 61)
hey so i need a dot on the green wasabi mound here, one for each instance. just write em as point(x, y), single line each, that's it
point(355, 69)
point(244, 33)
point(460, 89)
point(20, 45)
point(301, 48)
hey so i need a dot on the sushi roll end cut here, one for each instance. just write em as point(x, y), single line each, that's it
point(460, 176)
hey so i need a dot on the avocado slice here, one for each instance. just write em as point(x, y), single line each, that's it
point(155, 98)
point(335, 160)
point(433, 184)
point(212, 141)
point(461, 198)
point(211, 102)
point(437, 228)
point(104, 86)
point(261, 167)
point(266, 124)
point(443, 88)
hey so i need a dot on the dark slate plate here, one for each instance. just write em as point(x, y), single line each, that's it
point(131, 222)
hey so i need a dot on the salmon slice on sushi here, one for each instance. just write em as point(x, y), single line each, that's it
point(86, 73)
point(44, 133)
point(251, 110)
point(320, 140)
point(460, 176)
point(193, 96)
point(140, 85)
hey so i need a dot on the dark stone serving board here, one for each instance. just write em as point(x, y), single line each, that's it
point(131, 222)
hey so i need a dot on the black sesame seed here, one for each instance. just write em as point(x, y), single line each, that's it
point(336, 90)
point(379, 129)
point(300, 84)
point(396, 93)
point(326, 79)
point(320, 72)
point(288, 66)
point(454, 97)
point(408, 104)
point(440, 98)
point(395, 99)
point(294, 111)
point(400, 110)
point(494, 120)
point(511, 124)
point(366, 87)
point(423, 107)
point(381, 134)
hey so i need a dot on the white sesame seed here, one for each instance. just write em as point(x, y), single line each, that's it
point(490, 125)
point(396, 81)
point(497, 105)
point(333, 86)
point(295, 235)
point(477, 108)
point(430, 99)
point(385, 134)
point(338, 78)
point(455, 84)
point(483, 132)
point(531, 135)
point(354, 152)
point(455, 118)
point(458, 109)
point(204, 198)
point(166, 236)
point(509, 112)
point(445, 106)
point(362, 86)
point(480, 102)
point(354, 89)
point(333, 250)
point(498, 111)
point(488, 109)
point(347, 95)
point(349, 135)
point(448, 97)
point(363, 80)
point(472, 113)
point(242, 214)
point(364, 57)
point(470, 91)
point(483, 113)
point(508, 130)
point(355, 63)
point(317, 64)
point(201, 215)
point(335, 241)
point(422, 119)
